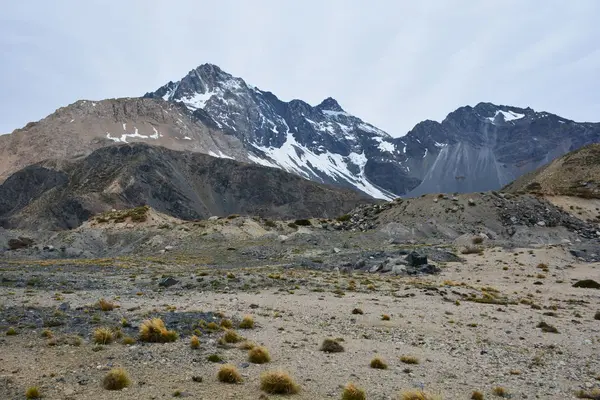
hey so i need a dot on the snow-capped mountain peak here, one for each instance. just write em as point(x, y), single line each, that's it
point(322, 143)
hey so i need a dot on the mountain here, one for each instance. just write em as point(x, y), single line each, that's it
point(58, 194)
point(473, 149)
point(210, 111)
point(574, 174)
point(84, 126)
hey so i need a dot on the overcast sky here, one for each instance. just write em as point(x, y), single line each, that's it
point(392, 63)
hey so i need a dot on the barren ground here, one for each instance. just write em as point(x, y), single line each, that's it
point(472, 327)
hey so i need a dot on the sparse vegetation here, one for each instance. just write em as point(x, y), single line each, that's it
point(231, 336)
point(476, 395)
point(344, 218)
point(385, 317)
point(500, 391)
point(247, 322)
point(226, 323)
point(418, 395)
point(278, 382)
point(259, 355)
point(545, 327)
point(593, 394)
point(154, 331)
point(351, 392)
point(105, 305)
point(472, 250)
point(215, 358)
point(378, 363)
point(194, 342)
point(103, 336)
point(11, 331)
point(137, 214)
point(33, 393)
point(229, 374)
point(302, 222)
point(477, 240)
point(331, 346)
point(409, 360)
point(116, 379)
point(128, 340)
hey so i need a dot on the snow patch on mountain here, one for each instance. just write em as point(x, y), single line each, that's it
point(295, 158)
point(220, 155)
point(508, 116)
point(384, 145)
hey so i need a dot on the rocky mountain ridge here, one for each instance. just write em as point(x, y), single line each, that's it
point(187, 185)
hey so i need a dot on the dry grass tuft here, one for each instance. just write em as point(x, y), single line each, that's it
point(128, 340)
point(409, 360)
point(116, 379)
point(385, 317)
point(278, 382)
point(226, 323)
point(352, 392)
point(247, 345)
point(500, 391)
point(378, 363)
point(105, 305)
point(247, 322)
point(154, 331)
point(103, 336)
point(545, 327)
point(331, 346)
point(593, 394)
point(212, 326)
point(194, 342)
point(231, 336)
point(259, 355)
point(33, 393)
point(477, 395)
point(418, 395)
point(229, 374)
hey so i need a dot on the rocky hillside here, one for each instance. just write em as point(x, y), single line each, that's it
point(84, 126)
point(187, 185)
point(574, 174)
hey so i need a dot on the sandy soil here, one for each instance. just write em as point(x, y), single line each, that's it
point(473, 327)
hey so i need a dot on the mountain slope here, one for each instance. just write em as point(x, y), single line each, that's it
point(187, 185)
point(574, 174)
point(84, 126)
point(473, 149)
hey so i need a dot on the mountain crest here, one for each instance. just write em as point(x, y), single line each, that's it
point(330, 104)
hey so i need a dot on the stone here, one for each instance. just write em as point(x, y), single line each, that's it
point(213, 218)
point(414, 259)
point(168, 282)
point(169, 248)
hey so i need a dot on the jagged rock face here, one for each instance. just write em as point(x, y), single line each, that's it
point(487, 146)
point(186, 185)
point(322, 143)
point(474, 149)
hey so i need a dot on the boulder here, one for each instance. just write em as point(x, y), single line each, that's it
point(415, 259)
point(20, 243)
point(168, 282)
